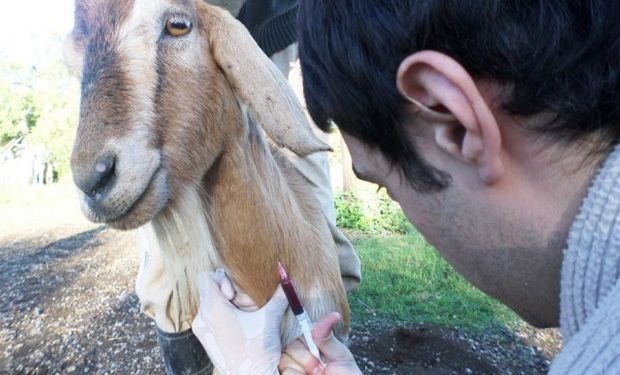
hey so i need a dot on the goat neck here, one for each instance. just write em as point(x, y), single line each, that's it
point(263, 214)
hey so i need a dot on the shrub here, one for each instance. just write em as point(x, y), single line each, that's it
point(374, 214)
point(349, 212)
point(390, 217)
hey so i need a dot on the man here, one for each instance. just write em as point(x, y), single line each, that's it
point(495, 125)
point(272, 24)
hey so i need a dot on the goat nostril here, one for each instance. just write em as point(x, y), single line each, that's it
point(99, 178)
point(101, 167)
point(103, 170)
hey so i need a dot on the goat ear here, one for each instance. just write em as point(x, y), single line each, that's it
point(258, 83)
point(73, 56)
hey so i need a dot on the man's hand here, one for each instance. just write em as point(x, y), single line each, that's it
point(237, 341)
point(297, 359)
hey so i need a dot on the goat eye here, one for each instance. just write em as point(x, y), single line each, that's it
point(178, 27)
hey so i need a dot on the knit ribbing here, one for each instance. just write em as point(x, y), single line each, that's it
point(590, 297)
point(592, 258)
point(595, 349)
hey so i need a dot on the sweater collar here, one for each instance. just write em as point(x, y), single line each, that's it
point(591, 265)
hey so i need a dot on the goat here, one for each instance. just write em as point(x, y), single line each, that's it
point(183, 128)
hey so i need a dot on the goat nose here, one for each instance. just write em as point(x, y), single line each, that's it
point(96, 181)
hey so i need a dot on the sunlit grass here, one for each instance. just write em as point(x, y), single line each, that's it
point(406, 280)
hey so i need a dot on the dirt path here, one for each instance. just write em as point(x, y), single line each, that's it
point(70, 308)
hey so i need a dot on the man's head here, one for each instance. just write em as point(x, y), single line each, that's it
point(483, 119)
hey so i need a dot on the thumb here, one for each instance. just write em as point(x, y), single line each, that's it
point(332, 349)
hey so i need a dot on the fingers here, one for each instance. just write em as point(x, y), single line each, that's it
point(237, 298)
point(291, 372)
point(287, 363)
point(207, 281)
point(288, 366)
point(332, 349)
point(216, 287)
point(226, 286)
point(297, 357)
point(244, 302)
point(323, 328)
point(212, 299)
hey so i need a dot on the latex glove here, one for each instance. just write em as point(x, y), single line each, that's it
point(238, 342)
point(297, 359)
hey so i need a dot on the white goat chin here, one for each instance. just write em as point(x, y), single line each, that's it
point(179, 233)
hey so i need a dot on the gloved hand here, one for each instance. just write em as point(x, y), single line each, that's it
point(297, 359)
point(237, 341)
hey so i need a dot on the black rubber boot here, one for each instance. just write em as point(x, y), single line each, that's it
point(183, 354)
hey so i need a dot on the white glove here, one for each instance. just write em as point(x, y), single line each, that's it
point(238, 342)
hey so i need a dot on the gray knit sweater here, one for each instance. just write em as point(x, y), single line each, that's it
point(590, 307)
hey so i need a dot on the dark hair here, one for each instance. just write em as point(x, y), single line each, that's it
point(559, 56)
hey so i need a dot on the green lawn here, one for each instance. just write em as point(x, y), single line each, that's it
point(405, 280)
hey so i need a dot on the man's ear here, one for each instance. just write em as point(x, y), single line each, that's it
point(443, 95)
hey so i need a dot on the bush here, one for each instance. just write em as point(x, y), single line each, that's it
point(18, 113)
point(390, 218)
point(374, 214)
point(41, 104)
point(349, 212)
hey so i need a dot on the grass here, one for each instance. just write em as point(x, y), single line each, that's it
point(406, 280)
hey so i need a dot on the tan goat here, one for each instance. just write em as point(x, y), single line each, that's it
point(175, 98)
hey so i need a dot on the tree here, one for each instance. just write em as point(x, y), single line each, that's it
point(18, 113)
point(42, 104)
point(56, 97)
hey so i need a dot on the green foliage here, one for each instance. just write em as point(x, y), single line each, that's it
point(41, 104)
point(390, 218)
point(406, 280)
point(18, 113)
point(350, 213)
point(375, 214)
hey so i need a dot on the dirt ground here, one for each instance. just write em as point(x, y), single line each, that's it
point(67, 305)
